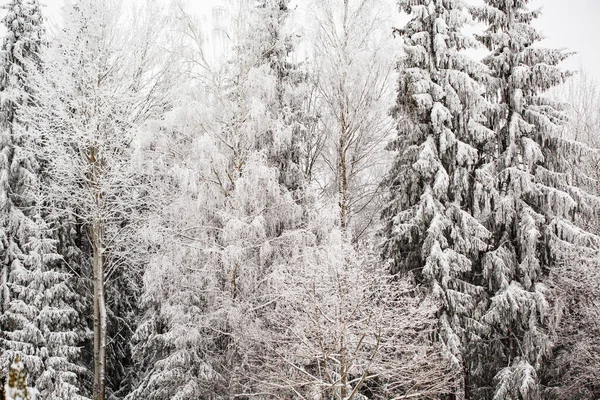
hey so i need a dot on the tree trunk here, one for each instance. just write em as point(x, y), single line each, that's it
point(96, 233)
point(342, 179)
point(99, 312)
point(344, 127)
point(343, 371)
point(4, 295)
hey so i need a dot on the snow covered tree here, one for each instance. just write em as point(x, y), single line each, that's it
point(352, 67)
point(336, 330)
point(42, 321)
point(432, 228)
point(203, 289)
point(98, 86)
point(574, 365)
point(535, 209)
point(21, 43)
point(191, 342)
point(581, 97)
point(37, 320)
point(239, 209)
point(277, 42)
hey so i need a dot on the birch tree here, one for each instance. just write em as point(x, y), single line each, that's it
point(581, 96)
point(353, 70)
point(341, 329)
point(92, 98)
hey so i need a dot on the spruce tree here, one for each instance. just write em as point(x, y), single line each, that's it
point(534, 208)
point(37, 321)
point(21, 43)
point(431, 230)
point(284, 137)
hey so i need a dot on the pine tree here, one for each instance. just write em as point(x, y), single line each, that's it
point(533, 206)
point(431, 230)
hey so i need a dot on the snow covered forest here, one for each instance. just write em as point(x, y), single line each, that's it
point(296, 199)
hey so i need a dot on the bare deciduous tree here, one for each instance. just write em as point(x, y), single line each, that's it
point(354, 74)
point(341, 330)
point(99, 84)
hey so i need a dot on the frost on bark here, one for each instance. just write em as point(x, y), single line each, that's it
point(341, 329)
point(352, 71)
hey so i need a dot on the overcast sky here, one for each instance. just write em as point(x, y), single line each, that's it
point(572, 24)
point(575, 25)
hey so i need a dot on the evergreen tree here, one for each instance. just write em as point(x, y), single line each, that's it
point(533, 206)
point(283, 139)
point(37, 320)
point(431, 230)
point(22, 42)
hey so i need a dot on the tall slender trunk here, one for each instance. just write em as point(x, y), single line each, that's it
point(4, 294)
point(344, 126)
point(8, 149)
point(96, 239)
point(343, 371)
point(342, 178)
point(99, 312)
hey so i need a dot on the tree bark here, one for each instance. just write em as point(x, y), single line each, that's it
point(96, 239)
point(99, 312)
point(4, 289)
point(342, 178)
point(344, 127)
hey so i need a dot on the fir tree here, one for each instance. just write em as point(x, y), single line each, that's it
point(431, 231)
point(533, 207)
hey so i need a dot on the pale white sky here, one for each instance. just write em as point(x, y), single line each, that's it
point(572, 24)
point(575, 25)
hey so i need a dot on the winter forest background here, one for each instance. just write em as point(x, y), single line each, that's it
point(365, 199)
